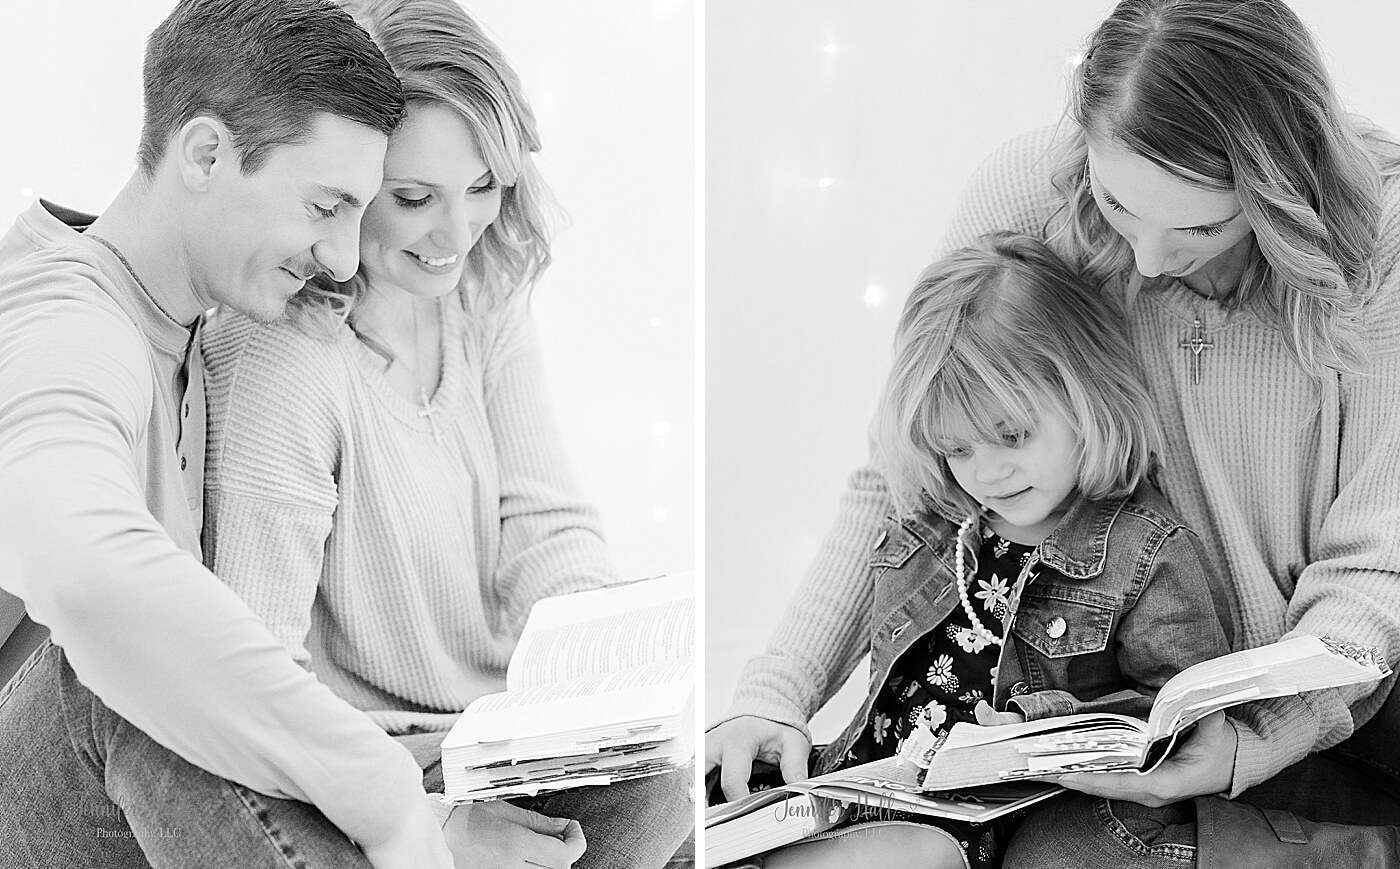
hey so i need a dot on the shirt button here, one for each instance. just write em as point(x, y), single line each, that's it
point(182, 463)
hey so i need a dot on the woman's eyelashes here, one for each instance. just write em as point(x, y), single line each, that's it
point(1115, 205)
point(411, 201)
point(416, 200)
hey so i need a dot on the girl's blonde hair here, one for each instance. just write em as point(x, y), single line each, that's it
point(1232, 95)
point(442, 56)
point(992, 335)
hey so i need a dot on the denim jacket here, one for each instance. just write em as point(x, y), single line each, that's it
point(1119, 600)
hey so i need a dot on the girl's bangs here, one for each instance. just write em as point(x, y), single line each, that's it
point(972, 400)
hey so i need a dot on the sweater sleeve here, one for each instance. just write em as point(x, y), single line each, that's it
point(146, 627)
point(1351, 589)
point(551, 536)
point(269, 484)
point(824, 631)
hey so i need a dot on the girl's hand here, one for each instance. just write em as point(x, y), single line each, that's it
point(989, 717)
point(1205, 764)
point(734, 745)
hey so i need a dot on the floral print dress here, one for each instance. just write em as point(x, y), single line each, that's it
point(943, 675)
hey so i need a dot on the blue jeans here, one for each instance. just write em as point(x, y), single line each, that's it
point(1355, 784)
point(81, 787)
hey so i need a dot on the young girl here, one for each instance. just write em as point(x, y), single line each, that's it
point(1031, 569)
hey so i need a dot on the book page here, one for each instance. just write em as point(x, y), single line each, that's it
point(605, 630)
point(1279, 669)
point(654, 691)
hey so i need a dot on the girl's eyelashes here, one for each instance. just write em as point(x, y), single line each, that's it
point(486, 187)
point(1208, 231)
point(1014, 438)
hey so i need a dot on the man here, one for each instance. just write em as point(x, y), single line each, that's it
point(266, 123)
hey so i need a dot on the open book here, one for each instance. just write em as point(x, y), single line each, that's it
point(783, 815)
point(1097, 742)
point(600, 689)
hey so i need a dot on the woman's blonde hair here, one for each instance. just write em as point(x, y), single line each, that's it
point(1232, 95)
point(442, 56)
point(992, 335)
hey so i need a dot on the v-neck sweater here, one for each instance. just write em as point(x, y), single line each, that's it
point(397, 555)
point(1293, 484)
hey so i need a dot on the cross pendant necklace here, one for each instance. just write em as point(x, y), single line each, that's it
point(427, 411)
point(1198, 343)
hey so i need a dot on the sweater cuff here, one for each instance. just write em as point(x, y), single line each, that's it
point(775, 689)
point(1271, 735)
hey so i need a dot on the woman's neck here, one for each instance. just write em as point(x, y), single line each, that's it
point(396, 315)
point(1220, 277)
point(407, 329)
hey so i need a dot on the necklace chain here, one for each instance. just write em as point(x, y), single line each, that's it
point(426, 410)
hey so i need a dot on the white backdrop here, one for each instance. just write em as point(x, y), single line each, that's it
point(615, 100)
point(838, 135)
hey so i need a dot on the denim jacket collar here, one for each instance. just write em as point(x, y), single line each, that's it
point(1076, 547)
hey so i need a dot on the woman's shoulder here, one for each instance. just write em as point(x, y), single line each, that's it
point(245, 357)
point(229, 335)
point(1011, 189)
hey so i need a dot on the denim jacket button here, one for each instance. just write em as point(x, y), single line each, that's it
point(1020, 688)
point(1056, 628)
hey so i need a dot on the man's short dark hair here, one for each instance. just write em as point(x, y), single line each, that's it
point(265, 68)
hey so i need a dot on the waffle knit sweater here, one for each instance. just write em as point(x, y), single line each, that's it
point(99, 536)
point(399, 563)
point(1292, 484)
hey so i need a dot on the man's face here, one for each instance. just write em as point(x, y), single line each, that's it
point(297, 215)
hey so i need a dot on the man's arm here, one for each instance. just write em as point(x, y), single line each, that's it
point(151, 632)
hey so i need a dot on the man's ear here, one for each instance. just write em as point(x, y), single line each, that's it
point(203, 150)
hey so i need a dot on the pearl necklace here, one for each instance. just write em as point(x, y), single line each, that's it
point(978, 629)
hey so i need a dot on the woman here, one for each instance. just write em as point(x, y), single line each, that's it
point(384, 483)
point(1211, 179)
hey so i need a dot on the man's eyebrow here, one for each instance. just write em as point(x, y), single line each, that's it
point(1108, 193)
point(345, 196)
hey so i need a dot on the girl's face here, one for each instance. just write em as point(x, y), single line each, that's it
point(437, 198)
point(1174, 227)
point(1026, 481)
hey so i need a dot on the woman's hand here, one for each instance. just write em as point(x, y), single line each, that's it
point(497, 835)
point(1205, 764)
point(734, 745)
point(989, 717)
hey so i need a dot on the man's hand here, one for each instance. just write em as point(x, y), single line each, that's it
point(735, 744)
point(498, 835)
point(1205, 764)
point(418, 845)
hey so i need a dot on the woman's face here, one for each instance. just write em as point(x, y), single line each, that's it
point(437, 199)
point(1174, 227)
